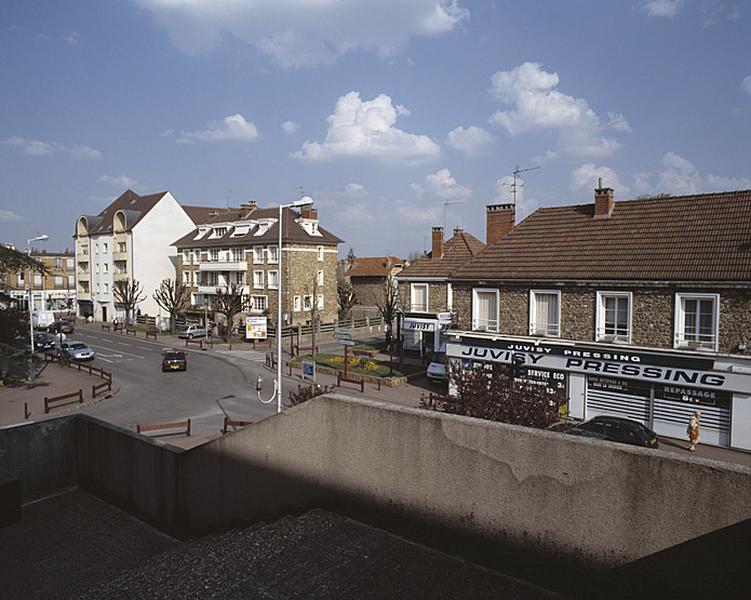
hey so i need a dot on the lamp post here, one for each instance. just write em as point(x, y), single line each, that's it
point(40, 238)
point(304, 201)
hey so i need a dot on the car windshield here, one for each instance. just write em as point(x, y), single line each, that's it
point(439, 357)
point(78, 346)
point(174, 356)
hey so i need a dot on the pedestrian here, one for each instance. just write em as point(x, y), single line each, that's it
point(693, 430)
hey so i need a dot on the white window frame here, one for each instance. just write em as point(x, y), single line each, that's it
point(320, 301)
point(69, 263)
point(600, 335)
point(319, 278)
point(475, 319)
point(258, 280)
point(297, 303)
point(273, 255)
point(320, 253)
point(253, 306)
point(105, 268)
point(412, 287)
point(275, 285)
point(58, 281)
point(106, 287)
point(37, 279)
point(21, 279)
point(105, 247)
point(533, 310)
point(71, 280)
point(258, 255)
point(186, 277)
point(680, 322)
point(238, 254)
point(186, 257)
point(449, 297)
point(58, 263)
point(307, 303)
point(213, 254)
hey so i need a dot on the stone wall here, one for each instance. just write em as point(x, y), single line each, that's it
point(301, 266)
point(368, 290)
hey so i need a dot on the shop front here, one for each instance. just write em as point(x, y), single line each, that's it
point(423, 333)
point(657, 388)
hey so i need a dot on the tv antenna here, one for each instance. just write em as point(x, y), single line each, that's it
point(449, 203)
point(513, 187)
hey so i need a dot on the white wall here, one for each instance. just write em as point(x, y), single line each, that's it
point(153, 258)
point(740, 422)
point(100, 258)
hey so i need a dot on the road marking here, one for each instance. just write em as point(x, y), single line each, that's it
point(115, 350)
point(122, 344)
point(144, 348)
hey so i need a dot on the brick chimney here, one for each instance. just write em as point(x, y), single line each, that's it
point(308, 212)
point(458, 230)
point(437, 248)
point(249, 205)
point(604, 201)
point(500, 219)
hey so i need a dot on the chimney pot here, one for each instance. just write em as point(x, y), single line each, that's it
point(458, 230)
point(437, 245)
point(308, 212)
point(500, 219)
point(604, 202)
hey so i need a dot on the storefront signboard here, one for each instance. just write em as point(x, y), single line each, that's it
point(255, 328)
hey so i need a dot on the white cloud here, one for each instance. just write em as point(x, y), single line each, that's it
point(441, 185)
point(355, 189)
point(586, 177)
point(680, 176)
point(535, 105)
point(8, 216)
point(662, 8)
point(40, 148)
point(418, 213)
point(472, 141)
point(366, 129)
point(71, 37)
point(117, 181)
point(290, 127)
point(167, 133)
point(233, 128)
point(294, 33)
point(746, 83)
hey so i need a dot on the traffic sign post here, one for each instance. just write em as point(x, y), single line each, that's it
point(344, 337)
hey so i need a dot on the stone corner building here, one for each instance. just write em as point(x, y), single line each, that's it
point(240, 246)
point(663, 283)
point(367, 275)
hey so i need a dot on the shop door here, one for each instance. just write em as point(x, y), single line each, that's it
point(618, 398)
point(104, 314)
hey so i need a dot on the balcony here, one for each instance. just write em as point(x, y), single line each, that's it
point(211, 289)
point(223, 265)
point(696, 341)
point(120, 276)
point(418, 307)
point(544, 329)
point(83, 295)
point(485, 325)
point(83, 276)
point(120, 256)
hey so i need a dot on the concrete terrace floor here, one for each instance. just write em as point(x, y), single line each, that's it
point(75, 545)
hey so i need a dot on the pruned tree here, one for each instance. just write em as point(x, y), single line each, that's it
point(228, 303)
point(174, 298)
point(346, 297)
point(492, 392)
point(308, 392)
point(387, 302)
point(128, 293)
point(313, 310)
point(351, 256)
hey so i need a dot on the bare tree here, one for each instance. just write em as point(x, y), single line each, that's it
point(229, 303)
point(174, 298)
point(387, 302)
point(128, 293)
point(313, 310)
point(346, 297)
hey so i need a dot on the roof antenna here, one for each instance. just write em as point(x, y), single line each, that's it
point(599, 183)
point(513, 187)
point(449, 203)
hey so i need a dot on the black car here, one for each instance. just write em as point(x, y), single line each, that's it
point(44, 342)
point(618, 429)
point(61, 327)
point(174, 360)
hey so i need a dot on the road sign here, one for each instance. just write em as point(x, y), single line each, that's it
point(308, 370)
point(343, 333)
point(348, 342)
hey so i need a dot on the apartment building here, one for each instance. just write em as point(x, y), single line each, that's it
point(55, 290)
point(640, 309)
point(131, 239)
point(240, 246)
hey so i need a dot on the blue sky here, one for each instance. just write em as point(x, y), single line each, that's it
point(382, 111)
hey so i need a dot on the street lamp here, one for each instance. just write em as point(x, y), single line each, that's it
point(304, 201)
point(40, 238)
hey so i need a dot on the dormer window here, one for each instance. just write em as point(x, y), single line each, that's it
point(218, 232)
point(241, 230)
point(262, 228)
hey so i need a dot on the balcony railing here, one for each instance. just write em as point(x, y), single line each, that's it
point(698, 341)
point(418, 307)
point(223, 265)
point(610, 334)
point(120, 256)
point(211, 289)
point(545, 329)
point(485, 325)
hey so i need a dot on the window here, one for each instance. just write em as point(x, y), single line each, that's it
point(484, 310)
point(257, 255)
point(613, 317)
point(71, 281)
point(213, 254)
point(69, 263)
point(238, 278)
point(320, 253)
point(96, 268)
point(212, 279)
point(419, 295)
point(122, 247)
point(320, 301)
point(307, 303)
point(697, 319)
point(240, 230)
point(219, 232)
point(105, 247)
point(96, 248)
point(58, 281)
point(258, 279)
point(105, 268)
point(37, 280)
point(273, 254)
point(238, 254)
point(449, 297)
point(258, 303)
point(545, 313)
point(20, 279)
point(58, 263)
point(186, 257)
point(186, 277)
point(273, 279)
point(106, 288)
point(320, 277)
point(97, 287)
point(296, 304)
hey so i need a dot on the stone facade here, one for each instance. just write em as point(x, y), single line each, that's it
point(368, 290)
point(53, 290)
point(652, 321)
point(437, 296)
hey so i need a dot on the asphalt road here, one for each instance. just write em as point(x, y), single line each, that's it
point(216, 384)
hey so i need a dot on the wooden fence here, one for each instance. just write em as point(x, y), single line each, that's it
point(161, 426)
point(55, 399)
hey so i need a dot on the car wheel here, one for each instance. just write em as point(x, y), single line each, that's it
point(190, 336)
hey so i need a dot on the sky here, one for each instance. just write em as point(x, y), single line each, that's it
point(395, 116)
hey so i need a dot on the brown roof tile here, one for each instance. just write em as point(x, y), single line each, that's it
point(705, 237)
point(132, 204)
point(456, 252)
point(373, 266)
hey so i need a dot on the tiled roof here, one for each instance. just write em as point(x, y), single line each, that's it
point(292, 232)
point(705, 237)
point(373, 266)
point(202, 214)
point(456, 252)
point(134, 205)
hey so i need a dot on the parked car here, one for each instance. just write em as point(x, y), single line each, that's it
point(78, 351)
point(438, 368)
point(61, 326)
point(174, 360)
point(192, 331)
point(42, 319)
point(44, 342)
point(618, 429)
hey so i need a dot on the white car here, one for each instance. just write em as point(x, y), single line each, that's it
point(192, 331)
point(78, 351)
point(438, 368)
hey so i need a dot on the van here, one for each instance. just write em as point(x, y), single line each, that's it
point(42, 319)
